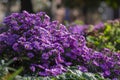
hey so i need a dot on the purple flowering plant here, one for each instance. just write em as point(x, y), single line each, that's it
point(47, 48)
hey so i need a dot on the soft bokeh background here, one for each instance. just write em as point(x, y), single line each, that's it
point(81, 11)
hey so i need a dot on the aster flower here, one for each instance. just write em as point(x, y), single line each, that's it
point(30, 55)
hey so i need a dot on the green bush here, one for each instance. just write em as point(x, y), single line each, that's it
point(108, 37)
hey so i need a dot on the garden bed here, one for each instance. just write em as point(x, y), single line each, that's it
point(42, 48)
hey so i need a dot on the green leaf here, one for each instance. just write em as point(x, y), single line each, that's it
point(12, 76)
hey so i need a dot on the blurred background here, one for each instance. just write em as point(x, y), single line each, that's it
point(65, 11)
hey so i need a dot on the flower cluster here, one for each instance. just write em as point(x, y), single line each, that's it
point(51, 48)
point(49, 45)
point(85, 29)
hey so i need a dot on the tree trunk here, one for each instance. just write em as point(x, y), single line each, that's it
point(8, 5)
point(26, 5)
point(116, 13)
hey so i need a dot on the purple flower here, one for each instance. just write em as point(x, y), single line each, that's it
point(68, 63)
point(106, 73)
point(11, 39)
point(15, 47)
point(95, 63)
point(54, 72)
point(104, 66)
point(41, 67)
point(58, 59)
point(36, 45)
point(30, 55)
point(79, 29)
point(32, 68)
point(15, 58)
point(23, 39)
point(43, 73)
point(28, 46)
point(117, 72)
point(66, 45)
point(99, 26)
point(115, 79)
point(45, 56)
point(15, 28)
point(82, 68)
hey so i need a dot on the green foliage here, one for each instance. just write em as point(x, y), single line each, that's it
point(113, 3)
point(13, 75)
point(78, 75)
point(78, 22)
point(4, 68)
point(107, 38)
point(69, 75)
point(4, 71)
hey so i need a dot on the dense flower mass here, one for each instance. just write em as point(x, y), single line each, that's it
point(50, 48)
point(85, 29)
